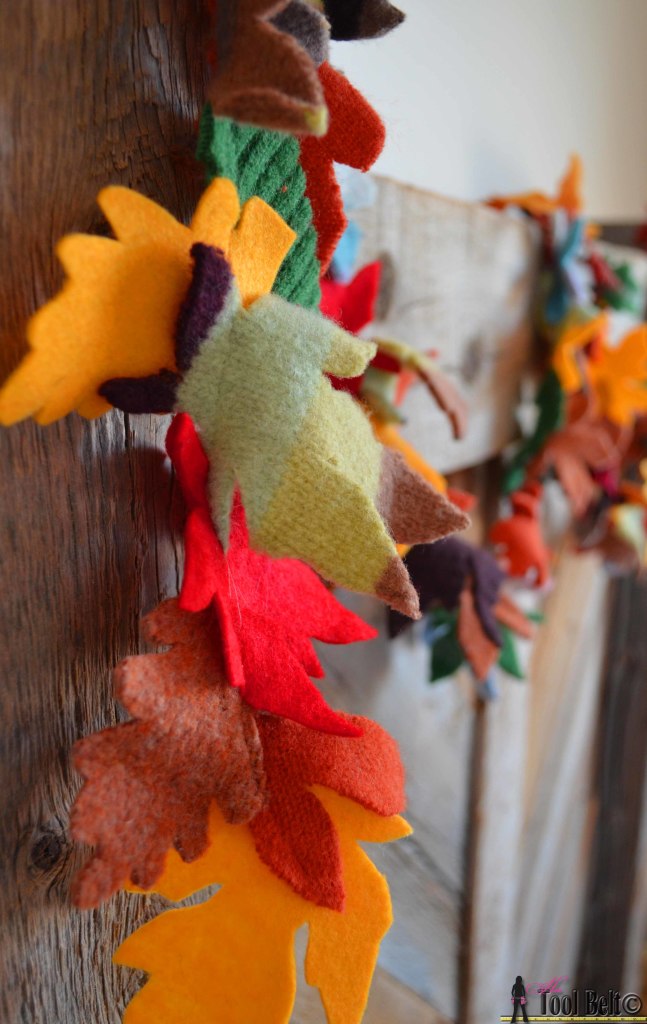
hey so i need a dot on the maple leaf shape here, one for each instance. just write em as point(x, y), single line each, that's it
point(294, 834)
point(268, 609)
point(586, 445)
point(263, 75)
point(117, 313)
point(150, 782)
point(236, 950)
point(518, 538)
point(618, 376)
point(355, 137)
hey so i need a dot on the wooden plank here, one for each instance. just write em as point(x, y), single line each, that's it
point(389, 1002)
point(90, 94)
point(620, 779)
point(464, 277)
point(387, 681)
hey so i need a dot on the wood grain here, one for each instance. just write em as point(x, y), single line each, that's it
point(619, 790)
point(90, 93)
point(463, 283)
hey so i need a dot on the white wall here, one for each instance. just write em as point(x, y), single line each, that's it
point(484, 96)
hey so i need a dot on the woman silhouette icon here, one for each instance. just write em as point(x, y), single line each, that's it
point(519, 998)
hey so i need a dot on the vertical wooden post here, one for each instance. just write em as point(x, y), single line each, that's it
point(620, 790)
point(91, 93)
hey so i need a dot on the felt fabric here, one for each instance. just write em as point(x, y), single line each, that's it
point(388, 435)
point(249, 973)
point(361, 19)
point(154, 394)
point(352, 305)
point(551, 416)
point(396, 355)
point(618, 377)
point(355, 137)
point(264, 76)
point(568, 280)
point(303, 455)
point(266, 164)
point(569, 354)
point(117, 312)
point(586, 444)
point(267, 609)
point(294, 835)
point(440, 572)
point(481, 652)
point(568, 196)
point(447, 655)
point(518, 538)
point(150, 781)
point(308, 26)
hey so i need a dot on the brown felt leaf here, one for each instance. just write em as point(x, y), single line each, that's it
point(586, 444)
point(150, 782)
point(263, 75)
point(481, 652)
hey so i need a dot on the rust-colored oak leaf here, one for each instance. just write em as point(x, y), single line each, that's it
point(294, 834)
point(150, 782)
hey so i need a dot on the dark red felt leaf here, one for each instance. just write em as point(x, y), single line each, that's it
point(268, 609)
point(150, 782)
point(355, 137)
point(294, 834)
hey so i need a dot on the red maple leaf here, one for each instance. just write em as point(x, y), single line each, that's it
point(269, 610)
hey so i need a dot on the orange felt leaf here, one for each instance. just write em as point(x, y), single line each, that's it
point(618, 376)
point(117, 312)
point(568, 355)
point(538, 204)
point(233, 955)
point(481, 652)
point(150, 782)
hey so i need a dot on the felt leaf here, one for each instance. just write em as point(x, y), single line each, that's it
point(388, 435)
point(268, 609)
point(538, 204)
point(519, 541)
point(263, 75)
point(509, 657)
point(440, 572)
point(361, 19)
point(150, 781)
point(480, 650)
point(294, 834)
point(551, 413)
point(586, 444)
point(117, 312)
point(618, 376)
point(314, 482)
point(568, 356)
point(266, 164)
point(236, 950)
point(447, 655)
point(352, 305)
point(306, 23)
point(355, 137)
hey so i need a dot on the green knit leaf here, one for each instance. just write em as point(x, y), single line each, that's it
point(266, 164)
point(509, 657)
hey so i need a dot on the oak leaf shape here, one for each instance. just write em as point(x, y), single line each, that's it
point(236, 950)
point(150, 782)
point(294, 834)
point(268, 609)
point(117, 312)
